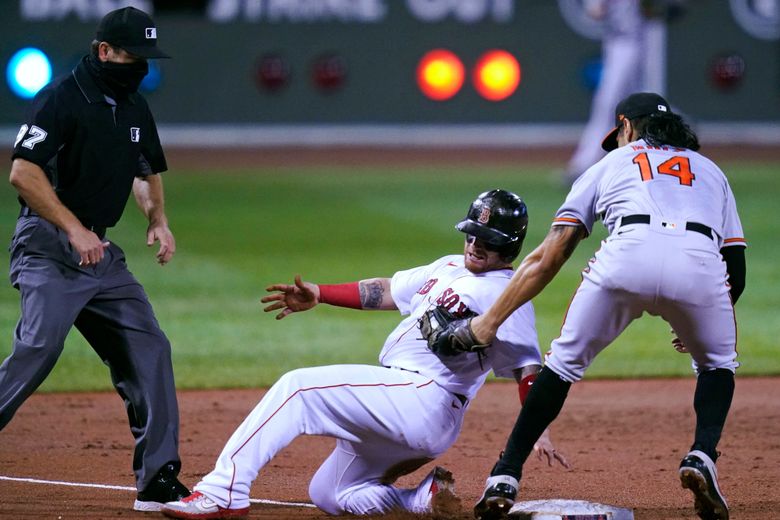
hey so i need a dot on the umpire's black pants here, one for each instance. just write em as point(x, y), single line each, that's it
point(111, 310)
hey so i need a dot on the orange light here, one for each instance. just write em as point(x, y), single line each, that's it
point(496, 75)
point(440, 74)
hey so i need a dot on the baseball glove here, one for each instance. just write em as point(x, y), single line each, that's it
point(447, 334)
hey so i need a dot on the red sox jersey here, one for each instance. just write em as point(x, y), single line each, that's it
point(448, 283)
point(658, 264)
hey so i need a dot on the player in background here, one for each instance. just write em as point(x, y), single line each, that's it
point(675, 250)
point(388, 420)
point(633, 57)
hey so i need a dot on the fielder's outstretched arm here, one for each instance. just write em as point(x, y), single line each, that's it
point(534, 273)
point(370, 294)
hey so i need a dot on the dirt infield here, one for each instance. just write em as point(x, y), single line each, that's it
point(624, 439)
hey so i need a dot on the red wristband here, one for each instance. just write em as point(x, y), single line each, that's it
point(341, 295)
point(524, 386)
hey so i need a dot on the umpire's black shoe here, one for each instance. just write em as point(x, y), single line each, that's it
point(164, 488)
point(497, 499)
point(698, 473)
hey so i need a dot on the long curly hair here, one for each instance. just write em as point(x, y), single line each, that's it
point(666, 128)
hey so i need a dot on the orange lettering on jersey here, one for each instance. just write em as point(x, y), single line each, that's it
point(643, 162)
point(678, 166)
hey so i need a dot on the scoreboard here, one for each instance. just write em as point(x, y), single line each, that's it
point(403, 61)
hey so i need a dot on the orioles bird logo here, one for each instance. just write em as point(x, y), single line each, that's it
point(484, 216)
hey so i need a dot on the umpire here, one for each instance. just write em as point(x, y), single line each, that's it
point(89, 140)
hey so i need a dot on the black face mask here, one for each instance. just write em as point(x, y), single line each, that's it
point(121, 78)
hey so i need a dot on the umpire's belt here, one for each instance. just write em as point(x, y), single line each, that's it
point(462, 398)
point(645, 219)
point(100, 231)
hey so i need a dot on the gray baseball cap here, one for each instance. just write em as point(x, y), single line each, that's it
point(132, 30)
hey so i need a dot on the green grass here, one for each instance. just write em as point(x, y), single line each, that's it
point(239, 231)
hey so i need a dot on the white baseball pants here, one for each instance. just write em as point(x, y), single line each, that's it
point(387, 422)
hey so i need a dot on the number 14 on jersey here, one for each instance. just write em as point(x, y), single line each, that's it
point(678, 166)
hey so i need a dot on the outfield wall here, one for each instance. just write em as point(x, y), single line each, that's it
point(720, 64)
point(755, 133)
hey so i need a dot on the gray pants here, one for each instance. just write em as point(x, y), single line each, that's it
point(111, 310)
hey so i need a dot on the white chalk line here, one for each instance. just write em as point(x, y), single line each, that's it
point(130, 488)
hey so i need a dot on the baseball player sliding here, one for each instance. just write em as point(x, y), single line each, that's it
point(388, 420)
point(675, 250)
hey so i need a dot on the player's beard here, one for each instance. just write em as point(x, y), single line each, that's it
point(483, 261)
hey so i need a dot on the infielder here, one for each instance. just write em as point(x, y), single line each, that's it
point(633, 59)
point(675, 250)
point(623, 46)
point(388, 420)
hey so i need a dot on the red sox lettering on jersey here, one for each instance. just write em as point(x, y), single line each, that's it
point(447, 282)
point(448, 299)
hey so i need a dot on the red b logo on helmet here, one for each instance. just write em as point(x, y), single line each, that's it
point(484, 216)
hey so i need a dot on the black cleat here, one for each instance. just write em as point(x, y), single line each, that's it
point(497, 499)
point(698, 473)
point(164, 488)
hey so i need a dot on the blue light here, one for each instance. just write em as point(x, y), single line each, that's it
point(153, 79)
point(591, 73)
point(28, 71)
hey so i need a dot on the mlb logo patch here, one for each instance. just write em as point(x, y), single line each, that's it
point(151, 33)
point(135, 134)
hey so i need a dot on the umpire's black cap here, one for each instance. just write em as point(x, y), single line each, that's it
point(635, 105)
point(132, 30)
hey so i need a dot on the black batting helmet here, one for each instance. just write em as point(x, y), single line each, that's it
point(498, 218)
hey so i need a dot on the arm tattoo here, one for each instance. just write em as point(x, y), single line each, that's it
point(371, 294)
